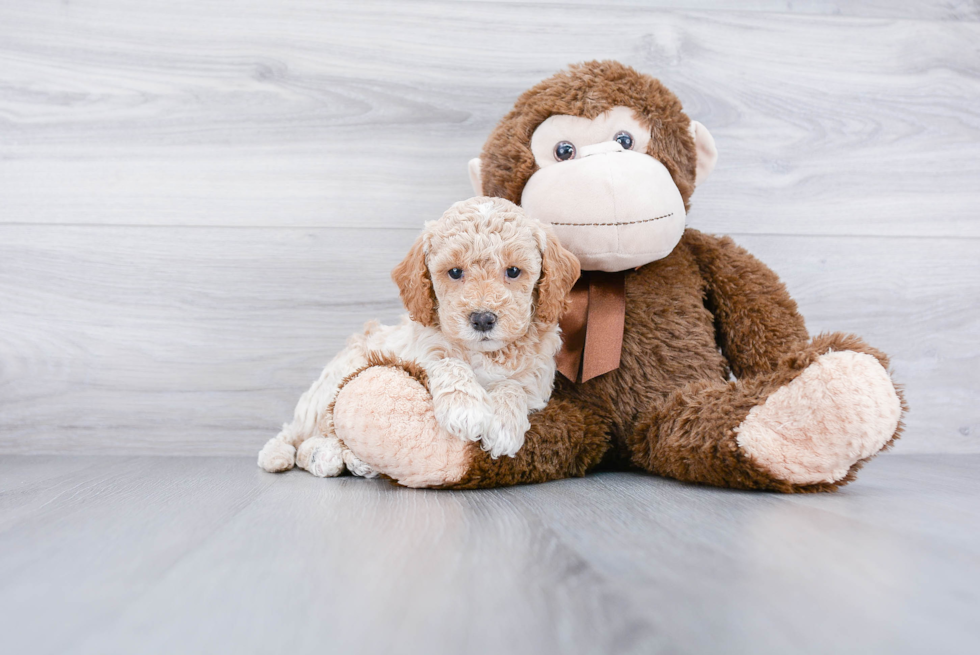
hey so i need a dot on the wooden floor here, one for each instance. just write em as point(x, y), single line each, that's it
point(211, 555)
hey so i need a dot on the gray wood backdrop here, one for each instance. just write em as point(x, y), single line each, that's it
point(200, 199)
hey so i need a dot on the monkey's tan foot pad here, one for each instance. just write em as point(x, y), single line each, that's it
point(842, 409)
point(386, 418)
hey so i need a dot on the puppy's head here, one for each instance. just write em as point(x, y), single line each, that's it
point(484, 273)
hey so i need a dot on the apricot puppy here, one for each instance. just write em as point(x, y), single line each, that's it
point(484, 286)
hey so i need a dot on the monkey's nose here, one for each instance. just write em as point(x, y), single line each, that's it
point(600, 148)
point(483, 321)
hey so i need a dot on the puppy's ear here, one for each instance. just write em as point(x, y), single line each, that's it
point(415, 285)
point(559, 271)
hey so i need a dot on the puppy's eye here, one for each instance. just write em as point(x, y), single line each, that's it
point(513, 272)
point(564, 151)
point(624, 139)
point(455, 273)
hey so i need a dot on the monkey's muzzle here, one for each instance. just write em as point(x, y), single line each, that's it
point(616, 209)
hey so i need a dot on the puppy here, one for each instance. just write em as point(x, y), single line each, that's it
point(484, 286)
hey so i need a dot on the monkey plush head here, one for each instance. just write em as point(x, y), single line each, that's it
point(605, 155)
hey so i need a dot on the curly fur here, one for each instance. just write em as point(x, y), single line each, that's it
point(483, 384)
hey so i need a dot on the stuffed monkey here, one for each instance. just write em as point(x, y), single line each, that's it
point(683, 355)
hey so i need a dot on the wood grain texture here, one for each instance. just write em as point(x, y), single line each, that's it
point(365, 113)
point(203, 555)
point(200, 340)
point(199, 201)
point(958, 10)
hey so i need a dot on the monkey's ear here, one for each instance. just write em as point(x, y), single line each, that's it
point(475, 177)
point(704, 145)
point(415, 285)
point(559, 272)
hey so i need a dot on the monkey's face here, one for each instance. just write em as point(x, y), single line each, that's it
point(610, 202)
point(606, 155)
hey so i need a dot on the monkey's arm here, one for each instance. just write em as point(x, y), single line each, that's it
point(756, 321)
point(385, 415)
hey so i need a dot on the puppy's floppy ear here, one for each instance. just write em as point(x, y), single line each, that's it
point(559, 271)
point(415, 285)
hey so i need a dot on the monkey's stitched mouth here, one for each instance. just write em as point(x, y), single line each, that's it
point(645, 220)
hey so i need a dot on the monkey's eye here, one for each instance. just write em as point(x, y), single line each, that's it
point(513, 272)
point(624, 139)
point(455, 273)
point(564, 151)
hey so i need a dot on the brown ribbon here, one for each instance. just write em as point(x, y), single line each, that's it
point(592, 328)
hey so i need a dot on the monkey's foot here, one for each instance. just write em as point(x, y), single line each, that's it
point(842, 409)
point(385, 417)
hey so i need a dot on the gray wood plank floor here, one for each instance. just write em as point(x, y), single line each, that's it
point(208, 555)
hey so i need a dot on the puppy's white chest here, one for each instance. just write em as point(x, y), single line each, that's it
point(488, 373)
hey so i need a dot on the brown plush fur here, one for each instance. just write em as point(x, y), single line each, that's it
point(564, 441)
point(670, 407)
point(704, 313)
point(588, 90)
point(708, 310)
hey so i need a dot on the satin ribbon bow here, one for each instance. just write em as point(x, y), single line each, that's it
point(592, 328)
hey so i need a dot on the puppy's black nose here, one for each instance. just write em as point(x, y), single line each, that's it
point(483, 321)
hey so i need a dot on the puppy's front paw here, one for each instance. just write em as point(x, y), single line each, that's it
point(321, 456)
point(358, 467)
point(506, 436)
point(277, 455)
point(464, 416)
